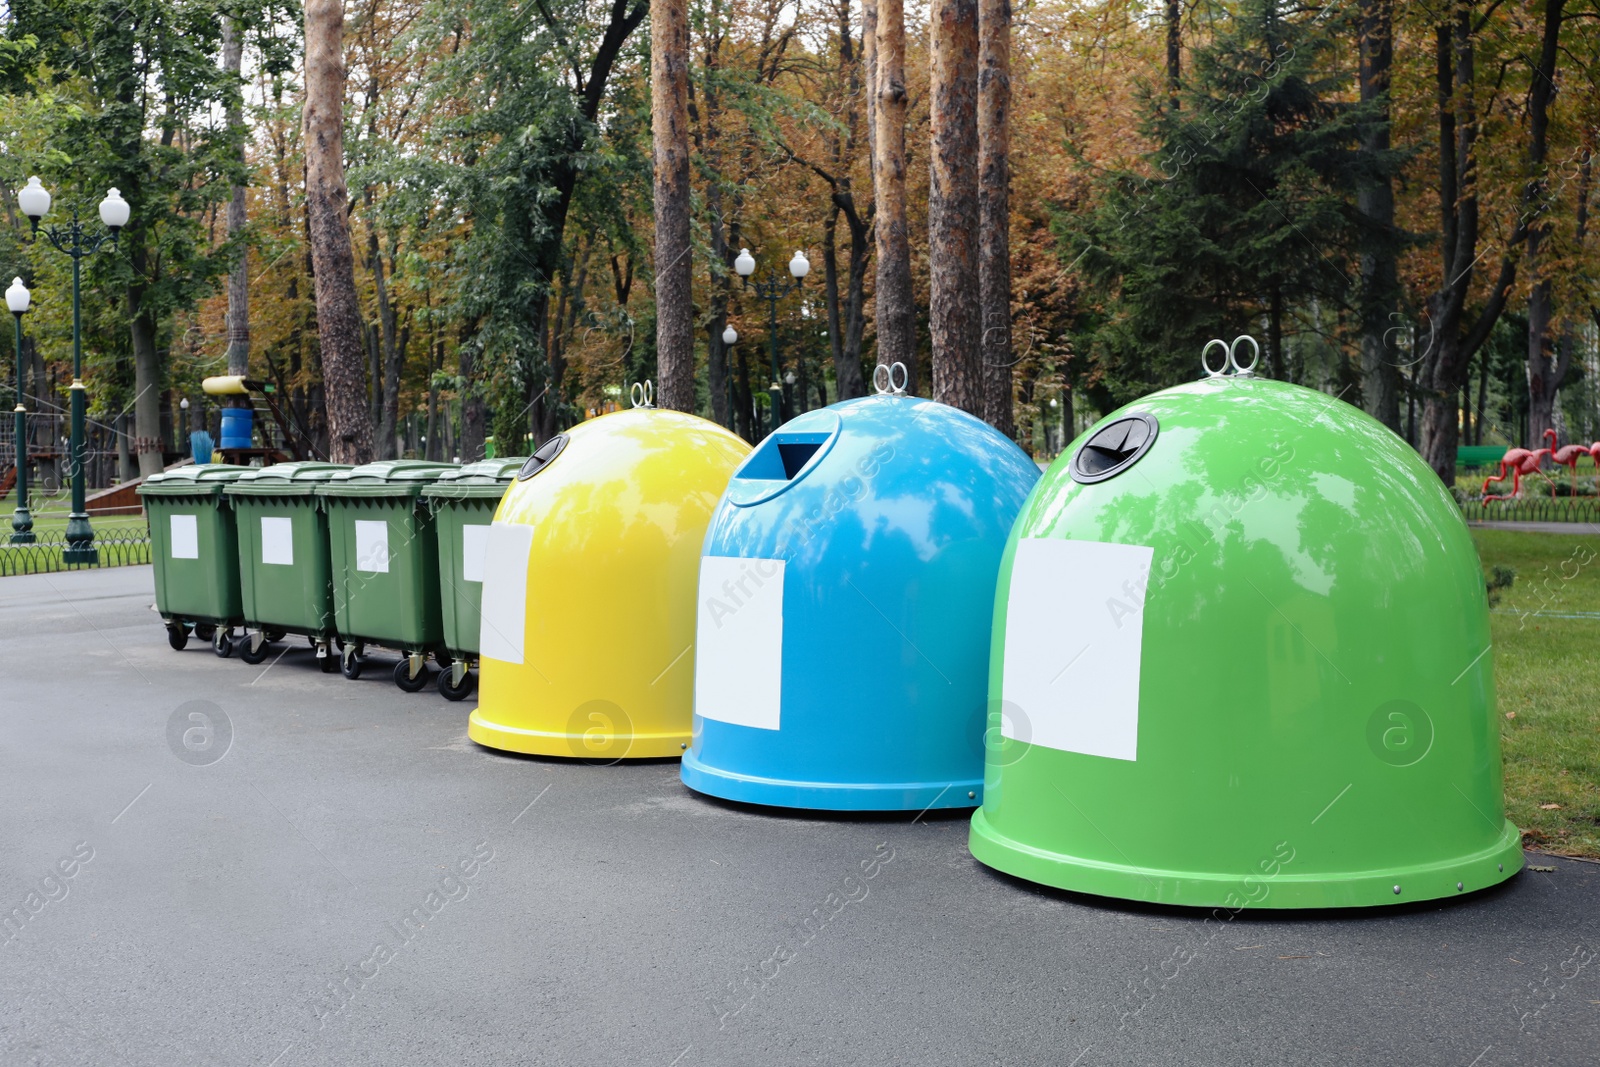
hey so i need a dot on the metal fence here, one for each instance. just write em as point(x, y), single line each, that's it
point(1560, 509)
point(119, 546)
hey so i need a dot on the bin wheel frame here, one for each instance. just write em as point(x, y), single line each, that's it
point(222, 642)
point(329, 655)
point(351, 662)
point(252, 652)
point(177, 636)
point(450, 689)
point(406, 680)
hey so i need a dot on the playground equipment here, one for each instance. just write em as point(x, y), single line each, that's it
point(1241, 659)
point(587, 643)
point(846, 601)
point(237, 444)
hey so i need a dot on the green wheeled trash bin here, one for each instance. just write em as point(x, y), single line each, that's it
point(463, 503)
point(286, 581)
point(386, 566)
point(195, 551)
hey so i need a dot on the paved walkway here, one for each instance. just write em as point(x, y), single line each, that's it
point(264, 909)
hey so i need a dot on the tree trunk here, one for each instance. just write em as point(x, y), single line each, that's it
point(474, 413)
point(147, 387)
point(954, 316)
point(1380, 374)
point(239, 277)
point(327, 206)
point(896, 314)
point(1174, 50)
point(669, 122)
point(994, 210)
point(1547, 362)
point(869, 81)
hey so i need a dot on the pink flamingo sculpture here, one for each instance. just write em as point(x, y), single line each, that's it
point(1516, 462)
point(1567, 456)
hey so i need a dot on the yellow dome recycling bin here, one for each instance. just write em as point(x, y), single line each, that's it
point(463, 504)
point(285, 579)
point(194, 546)
point(846, 596)
point(1241, 658)
point(385, 566)
point(587, 647)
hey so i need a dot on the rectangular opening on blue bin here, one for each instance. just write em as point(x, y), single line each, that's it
point(782, 456)
point(795, 455)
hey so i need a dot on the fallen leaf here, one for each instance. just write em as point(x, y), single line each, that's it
point(1511, 715)
point(1536, 867)
point(1246, 948)
point(1549, 807)
point(1294, 957)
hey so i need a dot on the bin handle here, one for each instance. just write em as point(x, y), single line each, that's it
point(883, 379)
point(643, 394)
point(1230, 357)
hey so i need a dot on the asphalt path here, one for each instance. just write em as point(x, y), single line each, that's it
point(334, 874)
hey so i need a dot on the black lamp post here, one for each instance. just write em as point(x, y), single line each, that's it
point(76, 241)
point(773, 291)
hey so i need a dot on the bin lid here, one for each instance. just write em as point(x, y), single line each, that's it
point(486, 479)
point(286, 479)
point(192, 479)
point(388, 477)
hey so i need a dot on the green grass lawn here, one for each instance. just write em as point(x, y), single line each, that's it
point(1547, 672)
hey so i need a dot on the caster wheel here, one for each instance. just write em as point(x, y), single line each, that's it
point(222, 643)
point(403, 678)
point(450, 691)
point(177, 636)
point(254, 653)
point(205, 631)
point(443, 660)
point(350, 664)
point(330, 662)
point(274, 636)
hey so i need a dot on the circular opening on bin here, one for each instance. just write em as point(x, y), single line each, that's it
point(541, 459)
point(1114, 448)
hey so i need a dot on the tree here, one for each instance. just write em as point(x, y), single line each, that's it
point(994, 210)
point(1378, 298)
point(239, 276)
point(1548, 361)
point(954, 316)
point(327, 207)
point(896, 316)
point(674, 267)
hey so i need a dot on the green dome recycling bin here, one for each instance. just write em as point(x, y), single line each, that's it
point(195, 550)
point(285, 580)
point(386, 565)
point(1241, 657)
point(463, 503)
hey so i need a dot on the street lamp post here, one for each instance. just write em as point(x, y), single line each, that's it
point(18, 299)
point(76, 241)
point(772, 291)
point(730, 337)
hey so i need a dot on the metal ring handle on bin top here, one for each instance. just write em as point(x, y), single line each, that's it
point(643, 394)
point(1230, 360)
point(1233, 356)
point(884, 384)
point(1206, 366)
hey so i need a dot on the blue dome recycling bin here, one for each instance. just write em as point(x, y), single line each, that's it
point(846, 598)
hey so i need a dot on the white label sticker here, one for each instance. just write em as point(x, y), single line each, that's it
point(505, 600)
point(738, 660)
point(372, 546)
point(474, 543)
point(277, 541)
point(185, 537)
point(1074, 638)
